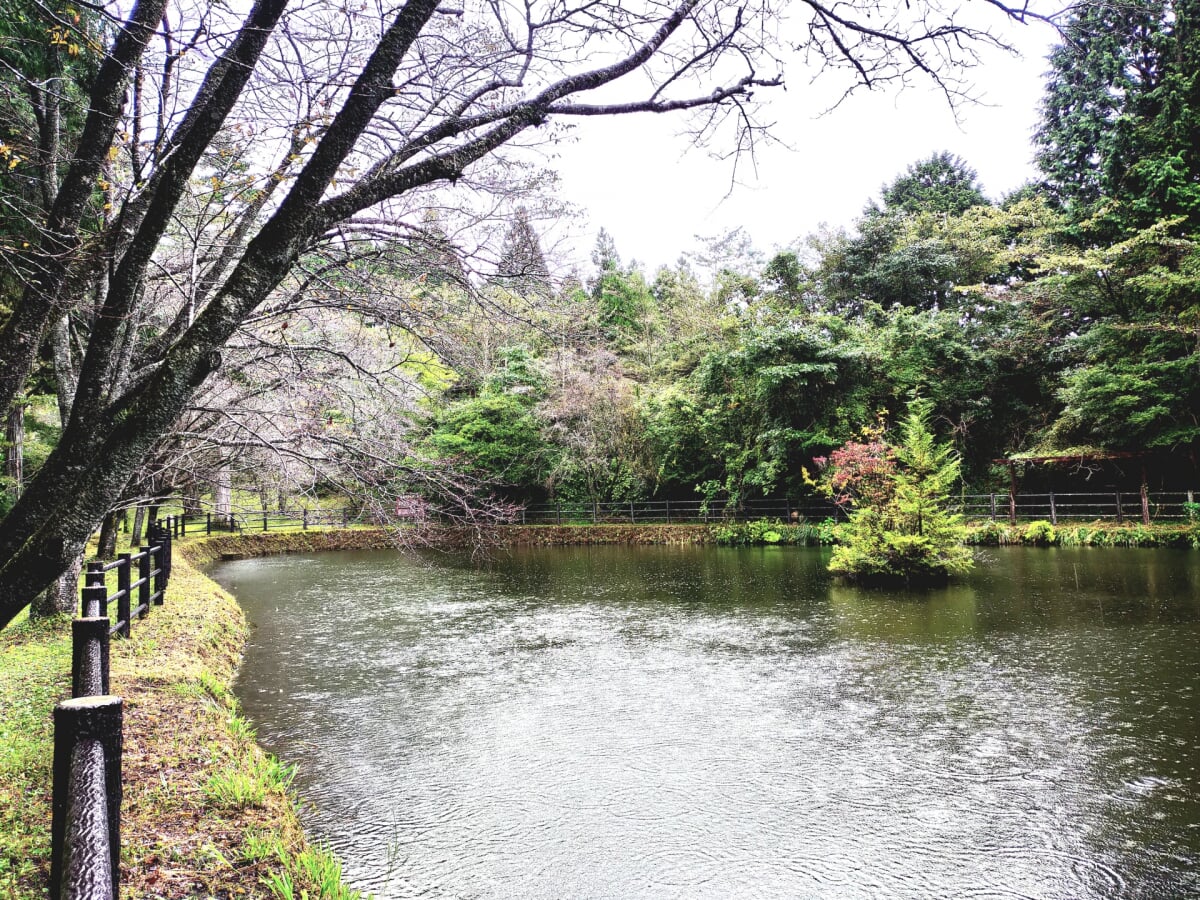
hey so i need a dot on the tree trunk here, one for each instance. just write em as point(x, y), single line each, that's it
point(65, 374)
point(107, 545)
point(62, 596)
point(189, 497)
point(139, 523)
point(14, 447)
point(223, 492)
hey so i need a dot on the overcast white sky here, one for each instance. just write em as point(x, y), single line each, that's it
point(635, 178)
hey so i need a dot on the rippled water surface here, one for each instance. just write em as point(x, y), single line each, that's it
point(699, 722)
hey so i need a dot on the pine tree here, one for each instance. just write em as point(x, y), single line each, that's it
point(522, 268)
point(1120, 129)
point(943, 183)
point(905, 532)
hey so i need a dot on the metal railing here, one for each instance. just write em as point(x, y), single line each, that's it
point(670, 512)
point(1118, 506)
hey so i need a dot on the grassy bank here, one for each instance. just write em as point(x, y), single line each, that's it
point(206, 812)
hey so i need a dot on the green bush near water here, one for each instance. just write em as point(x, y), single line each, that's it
point(762, 532)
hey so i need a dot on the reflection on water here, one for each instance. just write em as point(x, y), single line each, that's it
point(699, 722)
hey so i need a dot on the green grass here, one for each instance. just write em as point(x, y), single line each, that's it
point(35, 666)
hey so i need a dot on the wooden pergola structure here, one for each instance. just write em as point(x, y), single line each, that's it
point(1079, 459)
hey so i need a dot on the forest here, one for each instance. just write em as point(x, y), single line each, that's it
point(1060, 320)
point(370, 313)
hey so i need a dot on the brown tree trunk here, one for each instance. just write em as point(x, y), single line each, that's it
point(139, 523)
point(14, 447)
point(107, 545)
point(62, 596)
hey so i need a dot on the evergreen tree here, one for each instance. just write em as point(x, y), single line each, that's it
point(943, 183)
point(903, 531)
point(1120, 130)
point(522, 268)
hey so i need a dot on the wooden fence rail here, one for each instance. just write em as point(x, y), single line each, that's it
point(241, 522)
point(86, 802)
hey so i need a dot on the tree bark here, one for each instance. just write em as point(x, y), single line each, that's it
point(223, 492)
point(14, 447)
point(139, 524)
point(62, 596)
point(106, 546)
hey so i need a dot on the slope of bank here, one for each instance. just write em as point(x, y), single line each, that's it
point(206, 812)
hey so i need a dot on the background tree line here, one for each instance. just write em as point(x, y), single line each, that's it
point(1064, 318)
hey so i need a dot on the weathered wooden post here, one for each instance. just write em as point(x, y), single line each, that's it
point(1053, 510)
point(207, 523)
point(264, 521)
point(993, 498)
point(595, 513)
point(124, 615)
point(89, 656)
point(94, 574)
point(668, 512)
point(632, 518)
point(85, 825)
point(304, 519)
point(125, 579)
point(145, 567)
point(557, 512)
point(94, 601)
point(1120, 511)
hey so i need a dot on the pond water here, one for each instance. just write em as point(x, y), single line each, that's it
point(701, 722)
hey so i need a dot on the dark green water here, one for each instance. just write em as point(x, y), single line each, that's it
point(698, 722)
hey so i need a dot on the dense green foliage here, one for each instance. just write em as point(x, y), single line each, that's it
point(1064, 317)
point(900, 527)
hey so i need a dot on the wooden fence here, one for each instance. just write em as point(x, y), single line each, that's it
point(1114, 506)
point(86, 800)
point(241, 522)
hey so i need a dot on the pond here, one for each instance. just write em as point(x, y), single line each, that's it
point(702, 722)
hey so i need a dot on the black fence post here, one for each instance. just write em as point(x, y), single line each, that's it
point(89, 656)
point(207, 523)
point(95, 601)
point(304, 519)
point(161, 570)
point(145, 567)
point(167, 563)
point(85, 824)
point(264, 521)
point(125, 578)
point(125, 614)
point(94, 574)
